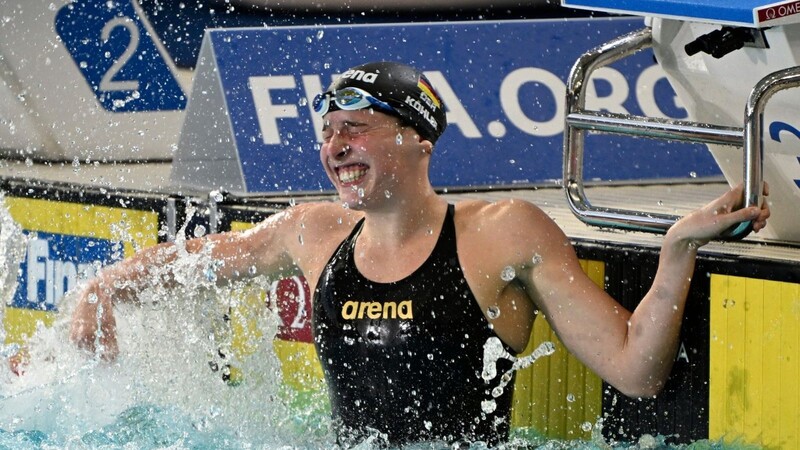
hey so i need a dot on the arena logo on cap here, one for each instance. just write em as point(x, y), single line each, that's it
point(360, 75)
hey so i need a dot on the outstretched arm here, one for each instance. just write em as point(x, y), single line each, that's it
point(235, 256)
point(633, 351)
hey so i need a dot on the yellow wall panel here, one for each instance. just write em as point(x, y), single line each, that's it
point(754, 369)
point(21, 323)
point(300, 366)
point(85, 220)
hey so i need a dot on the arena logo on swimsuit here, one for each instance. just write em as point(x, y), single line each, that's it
point(376, 310)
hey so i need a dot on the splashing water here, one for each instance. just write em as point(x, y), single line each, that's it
point(493, 351)
point(161, 391)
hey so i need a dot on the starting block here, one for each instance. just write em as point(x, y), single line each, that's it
point(733, 67)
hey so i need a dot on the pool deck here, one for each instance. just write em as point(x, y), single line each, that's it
point(668, 198)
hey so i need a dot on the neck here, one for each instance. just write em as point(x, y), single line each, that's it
point(405, 218)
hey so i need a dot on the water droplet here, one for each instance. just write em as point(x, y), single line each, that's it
point(92, 298)
point(586, 426)
point(360, 193)
point(399, 139)
point(508, 274)
point(430, 356)
point(693, 174)
point(349, 341)
point(544, 349)
point(497, 392)
point(571, 398)
point(388, 194)
point(300, 239)
point(216, 195)
point(488, 406)
point(493, 312)
point(199, 231)
point(727, 303)
point(320, 34)
point(252, 270)
point(210, 274)
point(537, 259)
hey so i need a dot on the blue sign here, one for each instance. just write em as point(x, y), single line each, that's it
point(55, 263)
point(729, 11)
point(119, 56)
point(503, 84)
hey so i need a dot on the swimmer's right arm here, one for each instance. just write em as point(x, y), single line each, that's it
point(241, 254)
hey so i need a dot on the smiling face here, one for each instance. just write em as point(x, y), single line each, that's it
point(369, 156)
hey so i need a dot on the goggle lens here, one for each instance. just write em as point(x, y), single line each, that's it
point(349, 99)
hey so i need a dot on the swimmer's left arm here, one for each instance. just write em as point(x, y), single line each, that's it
point(634, 352)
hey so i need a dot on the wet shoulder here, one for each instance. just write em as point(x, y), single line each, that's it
point(312, 231)
point(504, 224)
point(480, 216)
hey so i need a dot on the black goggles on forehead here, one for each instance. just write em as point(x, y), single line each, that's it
point(349, 99)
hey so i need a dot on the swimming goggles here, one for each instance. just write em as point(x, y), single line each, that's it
point(349, 99)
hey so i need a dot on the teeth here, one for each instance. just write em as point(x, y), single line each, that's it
point(350, 174)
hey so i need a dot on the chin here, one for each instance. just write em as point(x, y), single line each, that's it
point(350, 198)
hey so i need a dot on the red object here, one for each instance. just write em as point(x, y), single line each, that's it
point(778, 11)
point(293, 300)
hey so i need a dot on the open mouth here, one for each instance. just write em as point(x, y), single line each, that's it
point(351, 173)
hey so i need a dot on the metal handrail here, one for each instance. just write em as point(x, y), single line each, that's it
point(578, 121)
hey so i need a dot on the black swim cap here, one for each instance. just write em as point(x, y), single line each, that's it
point(406, 89)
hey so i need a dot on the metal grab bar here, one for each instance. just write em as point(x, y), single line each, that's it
point(578, 121)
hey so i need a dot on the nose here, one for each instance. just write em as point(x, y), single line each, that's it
point(338, 146)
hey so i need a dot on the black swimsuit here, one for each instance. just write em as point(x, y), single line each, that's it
point(403, 360)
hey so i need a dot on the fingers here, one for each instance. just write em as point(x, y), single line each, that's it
point(764, 212)
point(728, 202)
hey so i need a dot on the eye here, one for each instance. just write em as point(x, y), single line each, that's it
point(354, 129)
